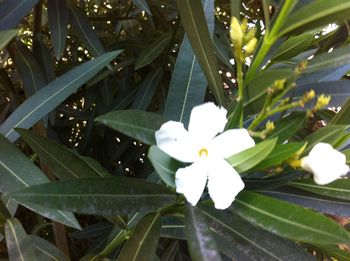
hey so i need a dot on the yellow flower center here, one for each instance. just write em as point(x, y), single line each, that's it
point(203, 152)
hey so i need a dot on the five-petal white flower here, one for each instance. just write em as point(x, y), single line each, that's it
point(326, 163)
point(207, 152)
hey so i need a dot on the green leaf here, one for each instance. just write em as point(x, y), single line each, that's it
point(28, 68)
point(15, 240)
point(98, 196)
point(84, 30)
point(164, 165)
point(143, 243)
point(193, 20)
point(336, 58)
point(6, 36)
point(289, 220)
point(316, 14)
point(152, 51)
point(147, 90)
point(280, 153)
point(293, 46)
point(337, 189)
point(43, 56)
point(44, 250)
point(139, 125)
point(38, 105)
point(288, 126)
point(57, 11)
point(199, 239)
point(249, 158)
point(328, 134)
point(343, 116)
point(235, 117)
point(64, 163)
point(13, 11)
point(333, 251)
point(248, 242)
point(142, 4)
point(18, 172)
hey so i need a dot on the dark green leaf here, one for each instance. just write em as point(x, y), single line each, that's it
point(288, 126)
point(147, 89)
point(44, 250)
point(143, 243)
point(343, 116)
point(64, 163)
point(58, 19)
point(199, 239)
point(98, 196)
point(235, 117)
point(43, 56)
point(173, 227)
point(193, 19)
point(140, 125)
point(164, 165)
point(13, 11)
point(152, 51)
point(18, 172)
point(289, 220)
point(249, 158)
point(243, 241)
point(334, 251)
point(337, 189)
point(38, 105)
point(84, 31)
point(6, 36)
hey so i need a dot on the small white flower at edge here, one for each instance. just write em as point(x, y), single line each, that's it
point(326, 163)
point(207, 152)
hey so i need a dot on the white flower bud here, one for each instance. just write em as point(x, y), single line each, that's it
point(326, 163)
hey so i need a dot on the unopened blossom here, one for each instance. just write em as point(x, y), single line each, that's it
point(326, 164)
point(201, 146)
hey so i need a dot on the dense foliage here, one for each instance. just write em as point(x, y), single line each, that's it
point(84, 86)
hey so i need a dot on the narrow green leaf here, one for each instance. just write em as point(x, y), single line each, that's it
point(143, 243)
point(44, 250)
point(13, 11)
point(193, 19)
point(316, 14)
point(280, 153)
point(98, 196)
point(249, 158)
point(200, 242)
point(84, 30)
point(18, 172)
point(343, 116)
point(248, 242)
point(6, 36)
point(15, 240)
point(235, 117)
point(152, 51)
point(38, 105)
point(164, 165)
point(139, 125)
point(142, 4)
point(43, 56)
point(333, 251)
point(147, 89)
point(64, 163)
point(57, 11)
point(28, 68)
point(337, 189)
point(328, 134)
point(288, 126)
point(289, 220)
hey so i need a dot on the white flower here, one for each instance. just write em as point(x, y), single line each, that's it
point(200, 146)
point(326, 163)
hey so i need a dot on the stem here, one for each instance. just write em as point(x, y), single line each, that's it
point(262, 114)
point(270, 38)
point(240, 87)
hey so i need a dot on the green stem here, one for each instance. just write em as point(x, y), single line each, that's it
point(240, 87)
point(262, 114)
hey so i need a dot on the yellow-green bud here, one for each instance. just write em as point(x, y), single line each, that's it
point(236, 33)
point(249, 48)
point(244, 24)
point(279, 84)
point(308, 96)
point(322, 101)
point(249, 35)
point(270, 126)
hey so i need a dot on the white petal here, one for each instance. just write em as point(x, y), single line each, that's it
point(230, 142)
point(326, 163)
point(191, 181)
point(206, 121)
point(224, 183)
point(173, 139)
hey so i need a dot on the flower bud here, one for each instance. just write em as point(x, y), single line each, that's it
point(236, 33)
point(250, 46)
point(322, 101)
